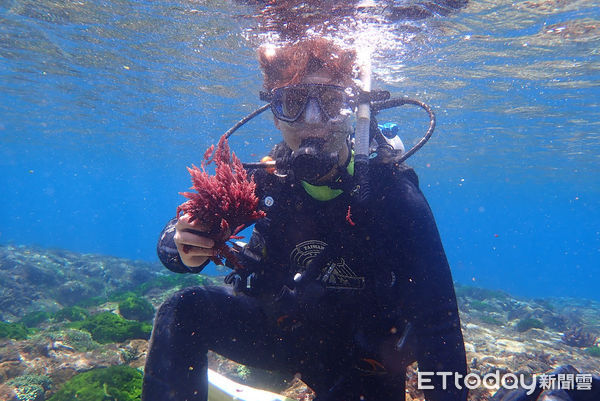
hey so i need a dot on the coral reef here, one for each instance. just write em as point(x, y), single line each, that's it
point(133, 353)
point(35, 279)
point(58, 351)
point(79, 340)
point(224, 202)
point(115, 383)
point(30, 387)
point(576, 337)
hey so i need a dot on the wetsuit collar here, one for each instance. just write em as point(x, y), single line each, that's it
point(325, 192)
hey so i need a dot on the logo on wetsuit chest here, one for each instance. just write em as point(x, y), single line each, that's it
point(335, 274)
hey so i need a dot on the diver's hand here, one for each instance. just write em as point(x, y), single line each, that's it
point(193, 247)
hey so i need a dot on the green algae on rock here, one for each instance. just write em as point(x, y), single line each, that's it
point(107, 327)
point(491, 320)
point(121, 383)
point(593, 351)
point(17, 331)
point(482, 306)
point(478, 293)
point(72, 314)
point(526, 324)
point(34, 319)
point(136, 308)
point(177, 281)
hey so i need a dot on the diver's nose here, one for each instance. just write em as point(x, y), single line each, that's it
point(312, 112)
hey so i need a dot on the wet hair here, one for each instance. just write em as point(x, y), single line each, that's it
point(289, 65)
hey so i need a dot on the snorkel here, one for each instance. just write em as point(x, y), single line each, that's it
point(361, 134)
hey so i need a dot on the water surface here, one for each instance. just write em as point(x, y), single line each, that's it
point(103, 104)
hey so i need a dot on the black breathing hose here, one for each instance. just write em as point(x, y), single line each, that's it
point(244, 120)
point(401, 101)
point(376, 107)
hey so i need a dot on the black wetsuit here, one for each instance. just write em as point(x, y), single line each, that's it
point(382, 297)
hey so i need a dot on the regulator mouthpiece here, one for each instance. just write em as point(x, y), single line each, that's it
point(311, 162)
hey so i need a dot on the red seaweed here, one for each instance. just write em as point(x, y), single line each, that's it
point(225, 202)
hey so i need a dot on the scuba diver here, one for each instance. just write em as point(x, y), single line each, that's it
point(345, 281)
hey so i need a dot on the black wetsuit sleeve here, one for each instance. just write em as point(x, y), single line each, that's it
point(425, 284)
point(168, 254)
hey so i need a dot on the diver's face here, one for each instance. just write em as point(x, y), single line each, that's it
point(313, 123)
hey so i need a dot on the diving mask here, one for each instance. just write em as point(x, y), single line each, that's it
point(289, 102)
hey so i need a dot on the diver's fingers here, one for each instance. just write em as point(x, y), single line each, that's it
point(194, 261)
point(190, 251)
point(192, 239)
point(183, 223)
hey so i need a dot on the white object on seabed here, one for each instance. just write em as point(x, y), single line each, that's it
point(221, 388)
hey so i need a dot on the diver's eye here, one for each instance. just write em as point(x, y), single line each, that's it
point(332, 102)
point(293, 101)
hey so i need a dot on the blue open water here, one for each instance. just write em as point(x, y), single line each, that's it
point(103, 105)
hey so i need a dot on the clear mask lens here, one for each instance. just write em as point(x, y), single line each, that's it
point(290, 102)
